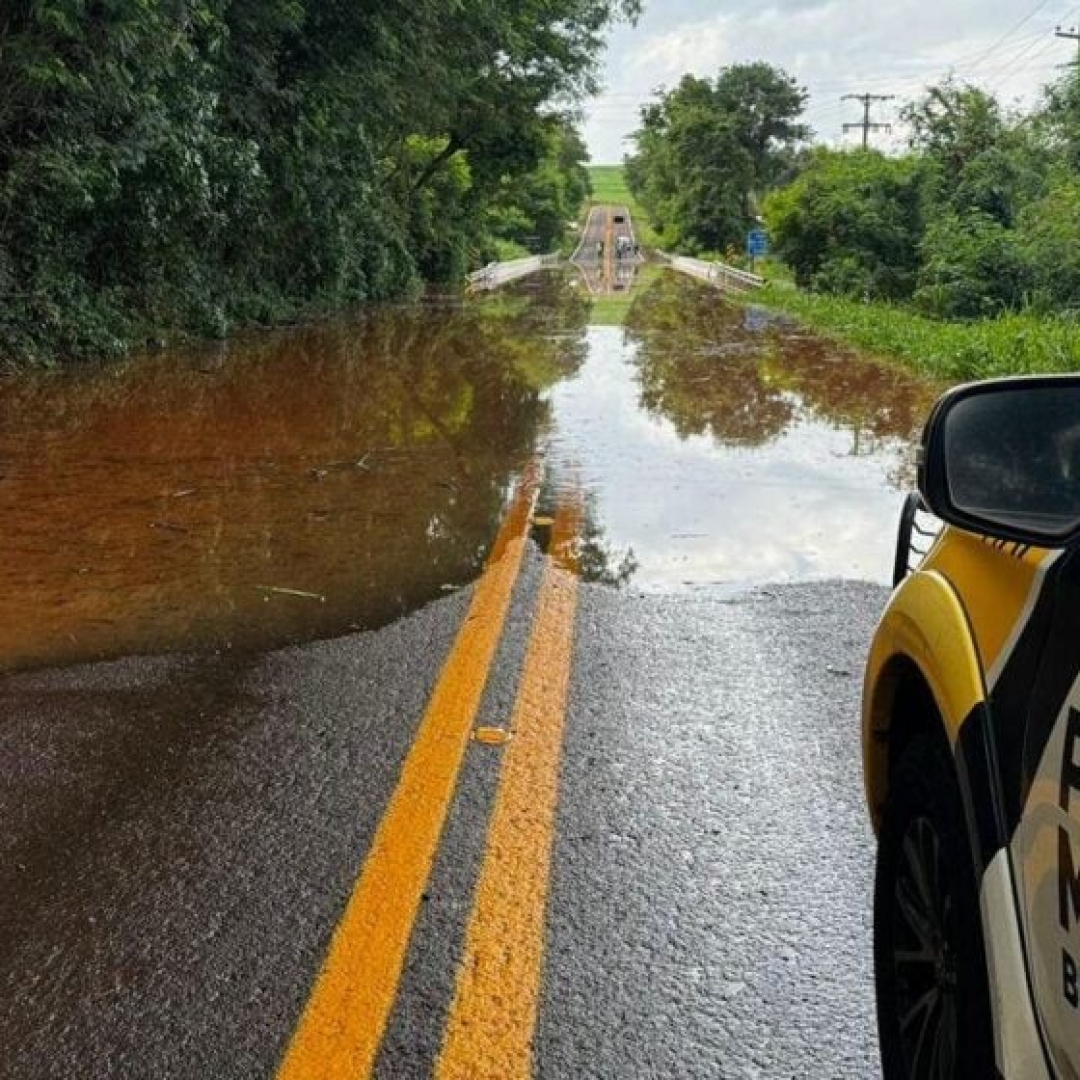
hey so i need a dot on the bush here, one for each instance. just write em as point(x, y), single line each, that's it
point(972, 267)
point(1048, 238)
point(850, 224)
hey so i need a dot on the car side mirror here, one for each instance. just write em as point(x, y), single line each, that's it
point(1002, 458)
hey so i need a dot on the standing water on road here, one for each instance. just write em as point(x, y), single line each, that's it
point(307, 483)
point(722, 445)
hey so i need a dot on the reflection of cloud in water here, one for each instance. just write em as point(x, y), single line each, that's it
point(802, 506)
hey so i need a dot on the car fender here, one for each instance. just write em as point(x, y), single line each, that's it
point(924, 625)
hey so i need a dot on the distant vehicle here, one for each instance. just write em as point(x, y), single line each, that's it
point(971, 746)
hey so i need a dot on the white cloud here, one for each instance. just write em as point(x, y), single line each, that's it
point(832, 48)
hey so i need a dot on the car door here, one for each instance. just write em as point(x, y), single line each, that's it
point(1046, 843)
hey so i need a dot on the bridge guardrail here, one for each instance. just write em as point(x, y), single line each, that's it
point(716, 273)
point(501, 273)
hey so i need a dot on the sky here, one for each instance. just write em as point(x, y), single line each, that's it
point(832, 48)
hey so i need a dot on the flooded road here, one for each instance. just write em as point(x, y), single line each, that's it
point(296, 486)
point(305, 484)
point(721, 445)
point(186, 834)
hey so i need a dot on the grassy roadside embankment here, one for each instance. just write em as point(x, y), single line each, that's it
point(1009, 344)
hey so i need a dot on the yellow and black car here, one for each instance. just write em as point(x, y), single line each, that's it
point(971, 745)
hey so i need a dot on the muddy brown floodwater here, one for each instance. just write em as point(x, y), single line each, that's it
point(307, 483)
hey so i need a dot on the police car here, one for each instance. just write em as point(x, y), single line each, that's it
point(971, 745)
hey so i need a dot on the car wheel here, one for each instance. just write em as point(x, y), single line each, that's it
point(930, 968)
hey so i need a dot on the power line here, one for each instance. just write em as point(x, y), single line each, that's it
point(922, 69)
point(1020, 48)
point(1004, 74)
point(1009, 33)
point(965, 64)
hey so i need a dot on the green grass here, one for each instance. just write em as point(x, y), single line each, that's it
point(609, 186)
point(1010, 344)
point(608, 310)
point(508, 250)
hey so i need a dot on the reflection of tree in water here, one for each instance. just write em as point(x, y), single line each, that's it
point(875, 401)
point(541, 322)
point(366, 462)
point(597, 561)
point(710, 369)
point(701, 369)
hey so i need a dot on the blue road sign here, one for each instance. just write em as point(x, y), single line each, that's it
point(757, 243)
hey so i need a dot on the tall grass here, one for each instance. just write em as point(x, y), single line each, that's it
point(1010, 344)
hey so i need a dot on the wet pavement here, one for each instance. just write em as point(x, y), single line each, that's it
point(608, 256)
point(242, 576)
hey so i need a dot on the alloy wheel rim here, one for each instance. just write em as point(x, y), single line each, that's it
point(924, 955)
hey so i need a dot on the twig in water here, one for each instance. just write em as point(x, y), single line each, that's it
point(292, 592)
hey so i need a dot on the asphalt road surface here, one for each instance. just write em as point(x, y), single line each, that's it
point(607, 253)
point(170, 903)
point(539, 827)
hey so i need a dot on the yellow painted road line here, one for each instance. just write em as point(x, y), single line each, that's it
point(342, 1026)
point(490, 1030)
point(609, 255)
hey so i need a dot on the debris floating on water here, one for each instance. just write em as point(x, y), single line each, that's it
point(291, 592)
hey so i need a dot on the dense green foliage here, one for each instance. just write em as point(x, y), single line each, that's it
point(979, 218)
point(706, 149)
point(180, 165)
point(850, 223)
point(533, 210)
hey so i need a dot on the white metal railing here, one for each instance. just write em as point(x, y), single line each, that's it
point(716, 273)
point(500, 273)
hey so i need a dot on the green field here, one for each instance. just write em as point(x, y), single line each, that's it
point(609, 184)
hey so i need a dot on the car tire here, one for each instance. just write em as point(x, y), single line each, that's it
point(929, 960)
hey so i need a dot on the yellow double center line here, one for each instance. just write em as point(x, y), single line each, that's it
point(490, 1031)
point(341, 1029)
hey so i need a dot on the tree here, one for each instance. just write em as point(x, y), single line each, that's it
point(177, 167)
point(707, 147)
point(1061, 118)
point(851, 223)
point(1048, 241)
point(763, 102)
point(971, 267)
point(533, 210)
point(978, 159)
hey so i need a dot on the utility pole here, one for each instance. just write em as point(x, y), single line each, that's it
point(867, 127)
point(1072, 35)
